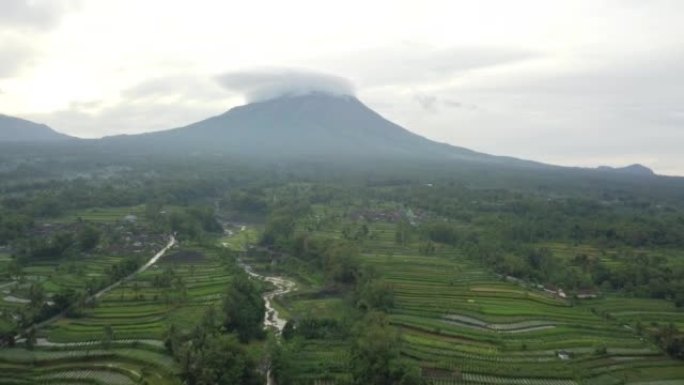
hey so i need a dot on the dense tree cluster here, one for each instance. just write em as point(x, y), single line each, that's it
point(192, 222)
point(209, 357)
point(375, 356)
point(214, 351)
point(243, 309)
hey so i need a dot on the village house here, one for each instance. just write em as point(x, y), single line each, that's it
point(586, 294)
point(130, 218)
point(554, 290)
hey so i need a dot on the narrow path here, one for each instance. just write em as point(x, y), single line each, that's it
point(152, 261)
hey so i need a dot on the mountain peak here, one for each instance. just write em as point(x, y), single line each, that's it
point(310, 125)
point(308, 95)
point(298, 100)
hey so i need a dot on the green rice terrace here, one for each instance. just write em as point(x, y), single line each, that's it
point(463, 324)
point(456, 320)
point(117, 337)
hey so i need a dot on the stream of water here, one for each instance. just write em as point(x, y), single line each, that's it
point(272, 318)
point(283, 286)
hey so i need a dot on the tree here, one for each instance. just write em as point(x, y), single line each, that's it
point(442, 232)
point(375, 294)
point(136, 289)
point(281, 362)
point(88, 238)
point(180, 288)
point(288, 330)
point(669, 338)
point(402, 232)
point(220, 360)
point(107, 336)
point(375, 357)
point(427, 248)
point(14, 269)
point(244, 309)
point(210, 320)
point(30, 338)
point(36, 296)
point(341, 262)
point(279, 229)
point(153, 211)
point(64, 298)
point(61, 242)
point(171, 339)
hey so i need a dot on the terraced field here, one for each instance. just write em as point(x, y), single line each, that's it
point(174, 291)
point(119, 340)
point(104, 214)
point(630, 312)
point(471, 327)
point(82, 274)
point(119, 366)
point(455, 314)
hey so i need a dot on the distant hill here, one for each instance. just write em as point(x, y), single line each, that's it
point(19, 130)
point(330, 136)
point(315, 128)
point(634, 169)
point(311, 126)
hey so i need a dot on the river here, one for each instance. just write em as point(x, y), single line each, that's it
point(272, 318)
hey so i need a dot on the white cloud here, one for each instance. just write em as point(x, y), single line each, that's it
point(564, 81)
point(263, 84)
point(15, 54)
point(155, 104)
point(34, 14)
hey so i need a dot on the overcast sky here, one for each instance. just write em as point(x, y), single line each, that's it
point(580, 83)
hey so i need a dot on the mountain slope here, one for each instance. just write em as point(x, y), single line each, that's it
point(19, 130)
point(634, 169)
point(312, 126)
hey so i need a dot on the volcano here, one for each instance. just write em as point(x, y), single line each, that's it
point(311, 126)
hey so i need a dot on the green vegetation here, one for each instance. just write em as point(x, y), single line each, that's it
point(458, 320)
point(398, 281)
